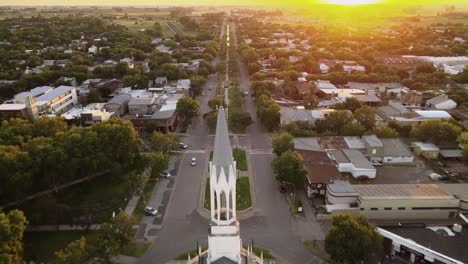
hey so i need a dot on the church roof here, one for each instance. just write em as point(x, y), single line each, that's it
point(222, 153)
point(223, 260)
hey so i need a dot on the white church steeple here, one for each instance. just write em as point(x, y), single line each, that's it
point(224, 240)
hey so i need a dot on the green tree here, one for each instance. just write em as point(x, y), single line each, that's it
point(352, 129)
point(436, 131)
point(163, 143)
point(282, 143)
point(289, 167)
point(351, 239)
point(269, 112)
point(196, 83)
point(311, 101)
point(74, 253)
point(336, 120)
point(159, 162)
point(12, 226)
point(187, 108)
point(94, 96)
point(113, 237)
point(463, 141)
point(350, 104)
point(365, 115)
point(215, 102)
point(386, 132)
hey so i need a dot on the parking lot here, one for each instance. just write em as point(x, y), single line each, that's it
point(404, 174)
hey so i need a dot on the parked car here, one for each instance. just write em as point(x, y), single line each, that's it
point(183, 145)
point(150, 211)
point(165, 174)
point(194, 161)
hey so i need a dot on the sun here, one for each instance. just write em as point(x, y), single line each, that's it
point(351, 2)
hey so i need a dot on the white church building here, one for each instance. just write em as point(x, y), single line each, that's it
point(224, 242)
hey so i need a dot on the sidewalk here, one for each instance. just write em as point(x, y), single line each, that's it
point(41, 228)
point(150, 225)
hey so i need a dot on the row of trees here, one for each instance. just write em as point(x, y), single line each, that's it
point(112, 237)
point(45, 153)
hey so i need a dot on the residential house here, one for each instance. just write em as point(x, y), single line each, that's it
point(289, 115)
point(88, 115)
point(321, 171)
point(196, 50)
point(166, 118)
point(427, 150)
point(368, 99)
point(13, 111)
point(108, 86)
point(374, 148)
point(441, 102)
point(142, 106)
point(397, 112)
point(164, 49)
point(183, 85)
point(354, 162)
point(70, 80)
point(395, 152)
point(93, 50)
point(302, 88)
point(411, 98)
point(160, 81)
point(355, 143)
point(130, 62)
point(118, 104)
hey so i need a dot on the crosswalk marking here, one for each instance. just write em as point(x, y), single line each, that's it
point(194, 151)
point(261, 151)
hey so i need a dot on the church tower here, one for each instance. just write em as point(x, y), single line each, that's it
point(223, 241)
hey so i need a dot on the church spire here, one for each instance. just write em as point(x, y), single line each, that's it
point(222, 153)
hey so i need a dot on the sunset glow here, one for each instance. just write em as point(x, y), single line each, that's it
point(352, 2)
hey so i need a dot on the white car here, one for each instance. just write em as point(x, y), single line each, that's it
point(183, 145)
point(165, 174)
point(194, 161)
point(150, 211)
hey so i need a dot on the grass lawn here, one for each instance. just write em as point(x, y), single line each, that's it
point(40, 246)
point(239, 155)
point(207, 194)
point(238, 119)
point(266, 253)
point(316, 247)
point(136, 249)
point(243, 197)
point(144, 198)
point(95, 200)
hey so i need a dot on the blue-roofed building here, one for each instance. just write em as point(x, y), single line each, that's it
point(57, 101)
point(20, 98)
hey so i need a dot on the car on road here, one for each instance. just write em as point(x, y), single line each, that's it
point(165, 174)
point(183, 145)
point(150, 211)
point(194, 161)
point(246, 93)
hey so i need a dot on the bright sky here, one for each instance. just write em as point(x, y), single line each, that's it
point(208, 2)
